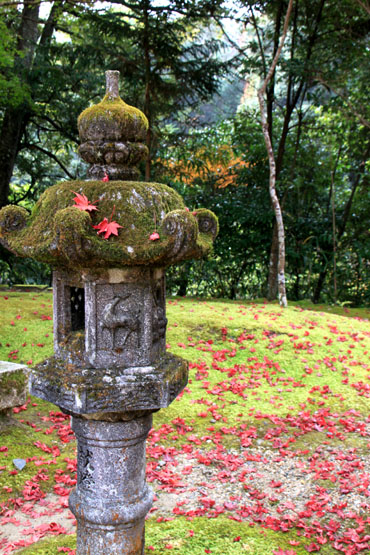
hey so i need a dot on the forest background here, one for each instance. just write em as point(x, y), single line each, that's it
point(194, 67)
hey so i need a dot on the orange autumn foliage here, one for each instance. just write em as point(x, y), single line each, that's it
point(222, 168)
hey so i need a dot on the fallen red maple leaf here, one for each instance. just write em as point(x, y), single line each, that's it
point(312, 547)
point(108, 228)
point(83, 203)
point(154, 236)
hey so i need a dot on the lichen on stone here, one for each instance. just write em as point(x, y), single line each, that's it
point(90, 390)
point(12, 383)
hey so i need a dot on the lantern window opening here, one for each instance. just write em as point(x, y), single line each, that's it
point(77, 300)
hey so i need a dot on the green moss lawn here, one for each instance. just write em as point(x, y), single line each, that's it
point(294, 383)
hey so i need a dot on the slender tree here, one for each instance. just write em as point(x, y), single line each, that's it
point(324, 38)
point(272, 180)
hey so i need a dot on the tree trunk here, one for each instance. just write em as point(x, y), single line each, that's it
point(334, 227)
point(294, 93)
point(28, 33)
point(319, 286)
point(10, 137)
point(355, 178)
point(148, 162)
point(297, 285)
point(270, 90)
point(15, 119)
point(272, 289)
point(147, 105)
point(183, 281)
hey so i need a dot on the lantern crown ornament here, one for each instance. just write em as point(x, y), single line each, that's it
point(112, 135)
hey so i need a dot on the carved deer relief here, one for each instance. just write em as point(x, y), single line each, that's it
point(124, 319)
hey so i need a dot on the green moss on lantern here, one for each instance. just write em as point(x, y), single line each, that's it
point(57, 232)
point(112, 119)
point(12, 218)
point(208, 223)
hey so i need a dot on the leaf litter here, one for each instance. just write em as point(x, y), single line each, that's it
point(273, 430)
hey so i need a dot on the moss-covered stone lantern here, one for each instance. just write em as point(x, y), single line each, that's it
point(110, 370)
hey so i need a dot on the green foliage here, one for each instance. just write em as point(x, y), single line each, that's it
point(12, 92)
point(171, 59)
point(329, 177)
point(240, 263)
point(316, 69)
point(15, 270)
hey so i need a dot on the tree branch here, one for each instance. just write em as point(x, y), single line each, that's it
point(229, 39)
point(53, 157)
point(262, 52)
point(344, 97)
point(262, 90)
point(364, 5)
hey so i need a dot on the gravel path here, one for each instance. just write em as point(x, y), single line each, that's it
point(287, 485)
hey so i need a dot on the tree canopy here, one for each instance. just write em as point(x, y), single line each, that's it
point(193, 67)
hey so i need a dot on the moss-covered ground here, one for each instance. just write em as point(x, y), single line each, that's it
point(219, 536)
point(293, 381)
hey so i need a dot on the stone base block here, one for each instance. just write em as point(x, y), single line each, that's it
point(99, 391)
point(13, 385)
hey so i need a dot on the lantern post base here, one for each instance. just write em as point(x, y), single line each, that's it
point(111, 498)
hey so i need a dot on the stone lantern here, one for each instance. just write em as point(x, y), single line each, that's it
point(110, 370)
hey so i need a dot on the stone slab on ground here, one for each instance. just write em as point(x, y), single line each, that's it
point(13, 385)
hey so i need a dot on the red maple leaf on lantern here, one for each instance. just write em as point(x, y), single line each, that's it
point(107, 227)
point(83, 203)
